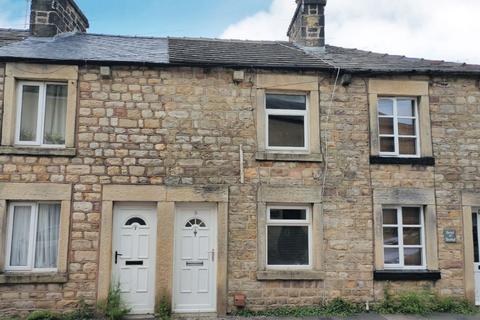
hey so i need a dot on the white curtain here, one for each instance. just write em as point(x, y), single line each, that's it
point(46, 249)
point(20, 236)
point(55, 114)
point(28, 123)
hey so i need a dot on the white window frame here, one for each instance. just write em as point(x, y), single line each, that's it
point(40, 114)
point(396, 136)
point(281, 112)
point(32, 239)
point(400, 226)
point(290, 223)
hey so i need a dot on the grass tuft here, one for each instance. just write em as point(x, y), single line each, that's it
point(424, 303)
point(337, 307)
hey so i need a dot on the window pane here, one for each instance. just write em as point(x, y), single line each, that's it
point(286, 131)
point(46, 248)
point(391, 256)
point(28, 118)
point(390, 236)
point(389, 216)
point(385, 107)
point(408, 146)
point(387, 144)
point(411, 215)
point(20, 236)
point(413, 256)
point(286, 102)
point(406, 127)
point(411, 236)
point(288, 214)
point(406, 107)
point(386, 125)
point(55, 114)
point(287, 245)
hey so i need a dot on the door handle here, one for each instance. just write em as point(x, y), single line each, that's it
point(117, 255)
point(213, 254)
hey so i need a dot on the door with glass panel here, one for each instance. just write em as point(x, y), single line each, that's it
point(476, 253)
point(134, 255)
point(41, 114)
point(195, 258)
point(32, 236)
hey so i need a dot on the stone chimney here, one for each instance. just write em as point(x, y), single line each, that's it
point(308, 24)
point(51, 17)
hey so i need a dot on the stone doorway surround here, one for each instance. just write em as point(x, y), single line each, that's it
point(470, 200)
point(165, 197)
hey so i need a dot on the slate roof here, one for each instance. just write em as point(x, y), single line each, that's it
point(8, 36)
point(271, 54)
point(83, 47)
point(94, 48)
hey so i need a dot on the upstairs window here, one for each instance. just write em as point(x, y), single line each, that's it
point(398, 127)
point(287, 123)
point(41, 114)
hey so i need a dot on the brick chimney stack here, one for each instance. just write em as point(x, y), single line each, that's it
point(51, 17)
point(308, 24)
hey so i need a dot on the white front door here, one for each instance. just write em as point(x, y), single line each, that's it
point(133, 249)
point(476, 254)
point(195, 258)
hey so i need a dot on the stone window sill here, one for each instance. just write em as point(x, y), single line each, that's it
point(29, 278)
point(34, 151)
point(424, 161)
point(289, 275)
point(288, 157)
point(406, 275)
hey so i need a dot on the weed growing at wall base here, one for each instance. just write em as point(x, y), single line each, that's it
point(423, 303)
point(113, 307)
point(337, 307)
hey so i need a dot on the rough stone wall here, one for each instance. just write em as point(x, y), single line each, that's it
point(455, 113)
point(182, 126)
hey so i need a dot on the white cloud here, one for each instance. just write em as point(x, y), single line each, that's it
point(270, 25)
point(435, 29)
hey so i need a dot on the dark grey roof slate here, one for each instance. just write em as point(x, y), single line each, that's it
point(8, 36)
point(359, 60)
point(88, 48)
point(271, 54)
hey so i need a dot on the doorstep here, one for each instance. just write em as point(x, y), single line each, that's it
point(139, 317)
point(194, 316)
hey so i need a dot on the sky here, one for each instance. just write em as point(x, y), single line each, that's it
point(433, 29)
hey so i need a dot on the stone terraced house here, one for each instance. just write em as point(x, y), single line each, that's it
point(223, 173)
